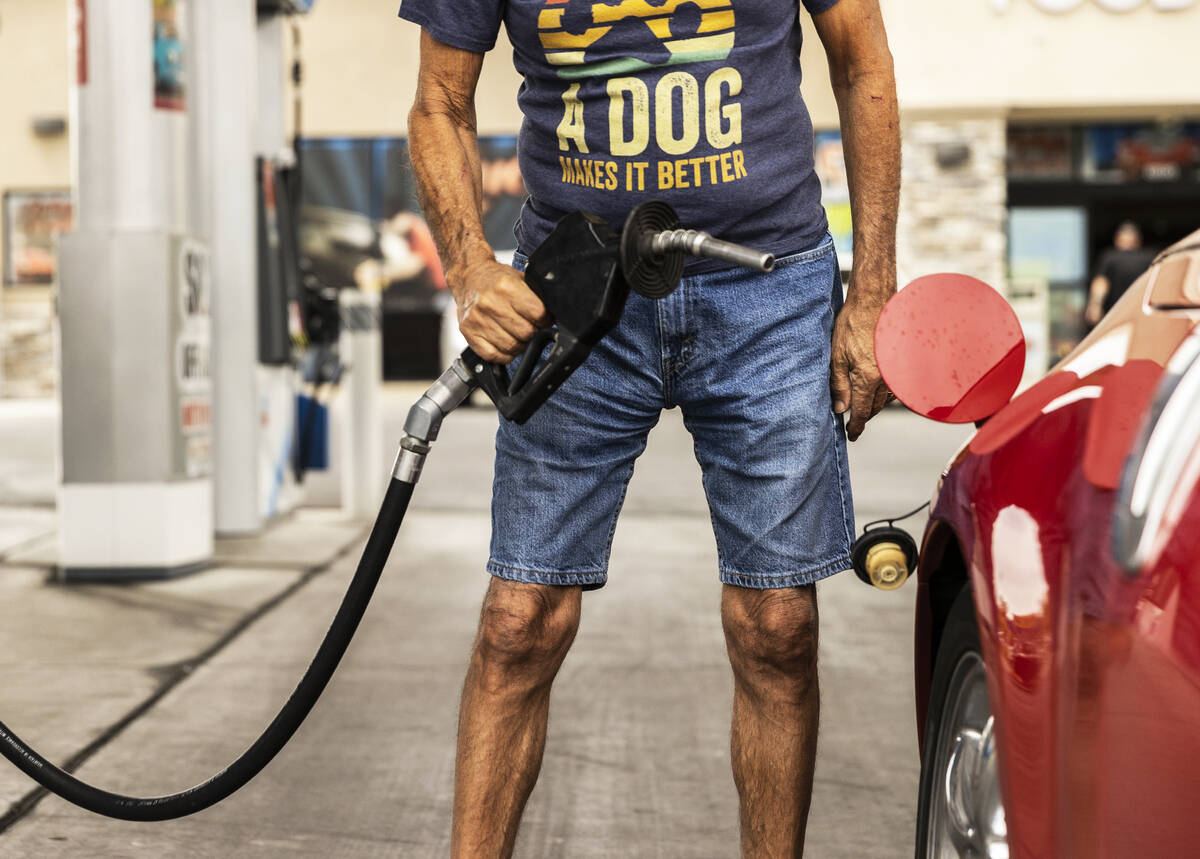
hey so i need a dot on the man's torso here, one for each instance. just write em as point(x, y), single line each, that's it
point(695, 102)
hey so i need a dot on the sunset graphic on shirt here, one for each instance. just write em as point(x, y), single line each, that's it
point(649, 33)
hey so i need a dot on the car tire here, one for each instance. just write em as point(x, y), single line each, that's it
point(959, 796)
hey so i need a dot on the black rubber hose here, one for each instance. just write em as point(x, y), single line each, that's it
point(277, 734)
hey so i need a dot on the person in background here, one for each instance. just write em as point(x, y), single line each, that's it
point(1117, 269)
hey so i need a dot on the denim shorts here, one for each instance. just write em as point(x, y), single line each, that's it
point(745, 356)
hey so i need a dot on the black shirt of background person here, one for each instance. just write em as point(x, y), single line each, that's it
point(1121, 268)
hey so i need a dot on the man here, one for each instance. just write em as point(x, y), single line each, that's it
point(696, 103)
point(1117, 269)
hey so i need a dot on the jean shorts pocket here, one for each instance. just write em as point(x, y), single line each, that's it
point(822, 250)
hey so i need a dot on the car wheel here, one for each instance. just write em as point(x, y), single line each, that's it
point(960, 813)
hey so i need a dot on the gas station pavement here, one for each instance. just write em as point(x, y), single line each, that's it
point(151, 688)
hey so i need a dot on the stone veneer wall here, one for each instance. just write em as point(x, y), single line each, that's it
point(953, 199)
point(27, 367)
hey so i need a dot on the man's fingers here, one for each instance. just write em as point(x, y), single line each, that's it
point(525, 302)
point(507, 309)
point(517, 327)
point(882, 394)
point(862, 400)
point(488, 331)
point(839, 385)
point(488, 351)
point(498, 312)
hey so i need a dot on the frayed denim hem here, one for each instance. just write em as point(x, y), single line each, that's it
point(588, 581)
point(786, 580)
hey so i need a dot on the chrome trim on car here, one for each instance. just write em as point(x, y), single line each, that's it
point(1152, 473)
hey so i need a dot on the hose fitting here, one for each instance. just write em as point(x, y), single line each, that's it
point(425, 419)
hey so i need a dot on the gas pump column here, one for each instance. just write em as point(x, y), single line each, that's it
point(136, 498)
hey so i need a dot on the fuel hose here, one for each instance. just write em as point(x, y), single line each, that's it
point(277, 734)
point(421, 429)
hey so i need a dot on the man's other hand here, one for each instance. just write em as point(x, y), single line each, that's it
point(497, 312)
point(855, 380)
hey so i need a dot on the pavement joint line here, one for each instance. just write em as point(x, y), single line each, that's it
point(259, 564)
point(22, 545)
point(174, 675)
point(51, 570)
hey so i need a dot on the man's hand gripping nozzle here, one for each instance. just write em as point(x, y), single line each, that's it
point(583, 273)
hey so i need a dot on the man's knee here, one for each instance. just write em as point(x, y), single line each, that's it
point(527, 628)
point(771, 632)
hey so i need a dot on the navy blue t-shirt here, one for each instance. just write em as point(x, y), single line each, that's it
point(695, 102)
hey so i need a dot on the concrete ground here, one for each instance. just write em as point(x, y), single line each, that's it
point(154, 687)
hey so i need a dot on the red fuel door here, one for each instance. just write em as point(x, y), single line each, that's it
point(950, 348)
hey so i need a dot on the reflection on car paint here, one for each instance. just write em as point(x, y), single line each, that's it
point(1093, 674)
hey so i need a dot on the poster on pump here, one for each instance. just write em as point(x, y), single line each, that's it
point(170, 84)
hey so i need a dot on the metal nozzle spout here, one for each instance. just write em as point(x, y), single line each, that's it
point(700, 244)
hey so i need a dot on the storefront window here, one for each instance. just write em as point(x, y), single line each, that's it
point(1041, 153)
point(33, 221)
point(1142, 152)
point(1047, 262)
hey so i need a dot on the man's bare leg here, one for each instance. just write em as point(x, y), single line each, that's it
point(524, 634)
point(771, 636)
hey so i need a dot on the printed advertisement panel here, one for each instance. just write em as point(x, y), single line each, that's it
point(170, 79)
point(33, 221)
point(191, 399)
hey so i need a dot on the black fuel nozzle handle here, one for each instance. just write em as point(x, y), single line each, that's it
point(576, 272)
point(521, 393)
point(583, 272)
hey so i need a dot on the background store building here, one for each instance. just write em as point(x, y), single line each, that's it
point(1030, 129)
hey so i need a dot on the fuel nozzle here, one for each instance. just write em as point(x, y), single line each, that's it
point(700, 244)
point(653, 248)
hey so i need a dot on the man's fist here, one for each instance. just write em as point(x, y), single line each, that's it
point(497, 312)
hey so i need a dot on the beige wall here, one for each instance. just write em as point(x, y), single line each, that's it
point(361, 73)
point(360, 64)
point(952, 56)
point(33, 84)
point(956, 54)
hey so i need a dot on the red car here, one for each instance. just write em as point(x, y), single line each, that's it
point(1058, 607)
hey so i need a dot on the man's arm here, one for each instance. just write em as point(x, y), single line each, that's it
point(1096, 296)
point(497, 312)
point(864, 85)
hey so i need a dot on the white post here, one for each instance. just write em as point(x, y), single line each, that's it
point(363, 474)
point(224, 115)
point(136, 496)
